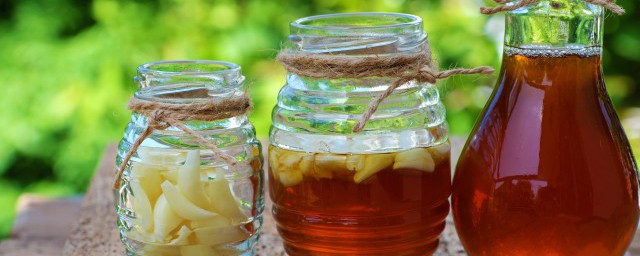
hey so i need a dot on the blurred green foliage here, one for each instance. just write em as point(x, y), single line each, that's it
point(67, 68)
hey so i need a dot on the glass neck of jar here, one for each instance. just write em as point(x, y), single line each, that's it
point(357, 35)
point(563, 25)
point(192, 81)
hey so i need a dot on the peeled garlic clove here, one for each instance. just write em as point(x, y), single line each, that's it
point(141, 206)
point(223, 201)
point(137, 233)
point(161, 156)
point(183, 233)
point(373, 164)
point(182, 206)
point(170, 175)
point(273, 164)
point(289, 160)
point(306, 164)
point(215, 222)
point(198, 250)
point(149, 179)
point(165, 219)
point(290, 178)
point(189, 180)
point(331, 162)
point(355, 162)
point(219, 236)
point(440, 152)
point(414, 159)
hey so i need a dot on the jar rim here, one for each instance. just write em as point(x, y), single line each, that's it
point(403, 20)
point(219, 67)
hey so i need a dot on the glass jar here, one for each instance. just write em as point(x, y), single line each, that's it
point(176, 196)
point(382, 191)
point(548, 169)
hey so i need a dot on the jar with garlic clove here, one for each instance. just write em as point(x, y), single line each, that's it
point(190, 177)
point(379, 191)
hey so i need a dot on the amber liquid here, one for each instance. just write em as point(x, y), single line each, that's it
point(548, 169)
point(394, 212)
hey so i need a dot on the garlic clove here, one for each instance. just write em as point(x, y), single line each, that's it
point(441, 152)
point(220, 235)
point(307, 164)
point(222, 200)
point(141, 206)
point(331, 162)
point(149, 179)
point(415, 159)
point(162, 156)
point(183, 233)
point(290, 178)
point(189, 182)
point(182, 206)
point(165, 219)
point(373, 164)
point(355, 162)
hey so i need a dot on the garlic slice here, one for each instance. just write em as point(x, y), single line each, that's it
point(415, 159)
point(182, 206)
point(373, 164)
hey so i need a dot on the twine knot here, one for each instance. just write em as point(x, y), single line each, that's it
point(608, 4)
point(418, 67)
point(163, 115)
point(424, 75)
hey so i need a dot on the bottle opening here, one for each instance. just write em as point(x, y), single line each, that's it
point(357, 21)
point(358, 33)
point(181, 81)
point(178, 67)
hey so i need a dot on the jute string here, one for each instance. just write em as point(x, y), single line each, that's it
point(164, 115)
point(417, 67)
point(609, 4)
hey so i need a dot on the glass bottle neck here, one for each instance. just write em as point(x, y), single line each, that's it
point(560, 25)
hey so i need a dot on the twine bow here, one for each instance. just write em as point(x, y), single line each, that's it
point(417, 67)
point(164, 115)
point(609, 4)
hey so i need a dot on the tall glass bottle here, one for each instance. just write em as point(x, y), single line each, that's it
point(548, 169)
point(383, 191)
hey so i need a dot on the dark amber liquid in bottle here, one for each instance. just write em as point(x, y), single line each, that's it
point(395, 212)
point(548, 169)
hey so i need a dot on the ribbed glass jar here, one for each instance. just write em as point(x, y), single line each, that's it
point(383, 191)
point(176, 196)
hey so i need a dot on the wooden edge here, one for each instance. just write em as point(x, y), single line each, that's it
point(34, 215)
point(94, 232)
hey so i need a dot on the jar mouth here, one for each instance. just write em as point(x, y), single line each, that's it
point(360, 33)
point(357, 20)
point(186, 81)
point(189, 67)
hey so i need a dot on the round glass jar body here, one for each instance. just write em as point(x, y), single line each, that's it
point(176, 196)
point(547, 169)
point(382, 191)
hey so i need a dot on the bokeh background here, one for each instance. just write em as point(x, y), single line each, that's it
point(67, 68)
